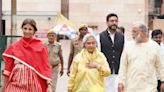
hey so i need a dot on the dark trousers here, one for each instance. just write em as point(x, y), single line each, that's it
point(158, 86)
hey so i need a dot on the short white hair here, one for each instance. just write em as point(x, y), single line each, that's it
point(88, 36)
point(142, 26)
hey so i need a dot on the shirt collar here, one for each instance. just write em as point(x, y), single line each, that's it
point(110, 32)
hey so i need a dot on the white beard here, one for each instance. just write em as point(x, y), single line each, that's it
point(138, 38)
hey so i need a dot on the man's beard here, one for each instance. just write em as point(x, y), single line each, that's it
point(113, 27)
point(138, 38)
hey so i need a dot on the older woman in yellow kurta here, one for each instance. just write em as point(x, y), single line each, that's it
point(88, 68)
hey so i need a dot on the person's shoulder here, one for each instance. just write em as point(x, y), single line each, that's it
point(101, 54)
point(162, 45)
point(129, 44)
point(119, 34)
point(45, 42)
point(39, 43)
point(103, 32)
point(152, 44)
point(15, 44)
point(58, 43)
point(77, 57)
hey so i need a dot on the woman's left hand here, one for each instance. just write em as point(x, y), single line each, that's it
point(92, 64)
point(49, 88)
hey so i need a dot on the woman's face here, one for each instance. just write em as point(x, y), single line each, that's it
point(90, 45)
point(28, 31)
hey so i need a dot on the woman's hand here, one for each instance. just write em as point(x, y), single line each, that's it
point(49, 88)
point(162, 87)
point(4, 83)
point(120, 87)
point(93, 65)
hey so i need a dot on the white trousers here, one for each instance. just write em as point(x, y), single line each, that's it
point(111, 83)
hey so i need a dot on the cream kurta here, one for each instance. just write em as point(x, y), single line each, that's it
point(139, 66)
point(83, 79)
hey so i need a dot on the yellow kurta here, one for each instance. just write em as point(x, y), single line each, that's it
point(139, 66)
point(83, 79)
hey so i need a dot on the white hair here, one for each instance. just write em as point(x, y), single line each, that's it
point(142, 26)
point(88, 36)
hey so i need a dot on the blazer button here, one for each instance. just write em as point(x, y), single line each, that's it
point(112, 62)
point(113, 50)
point(113, 56)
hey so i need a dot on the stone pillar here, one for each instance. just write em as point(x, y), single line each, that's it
point(162, 8)
point(65, 8)
point(13, 18)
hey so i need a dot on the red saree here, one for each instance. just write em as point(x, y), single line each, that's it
point(31, 57)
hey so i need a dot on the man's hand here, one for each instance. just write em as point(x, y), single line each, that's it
point(162, 87)
point(61, 72)
point(49, 88)
point(68, 72)
point(120, 87)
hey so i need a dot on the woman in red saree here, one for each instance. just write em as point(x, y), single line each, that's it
point(27, 68)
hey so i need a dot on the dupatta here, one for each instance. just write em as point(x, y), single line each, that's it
point(32, 54)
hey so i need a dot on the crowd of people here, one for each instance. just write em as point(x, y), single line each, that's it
point(106, 62)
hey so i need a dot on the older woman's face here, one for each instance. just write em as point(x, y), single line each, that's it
point(90, 45)
point(28, 31)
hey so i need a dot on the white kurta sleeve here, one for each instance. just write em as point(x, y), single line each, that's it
point(123, 67)
point(160, 65)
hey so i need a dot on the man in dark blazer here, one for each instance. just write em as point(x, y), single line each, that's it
point(111, 43)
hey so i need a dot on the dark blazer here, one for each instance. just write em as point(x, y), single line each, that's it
point(111, 50)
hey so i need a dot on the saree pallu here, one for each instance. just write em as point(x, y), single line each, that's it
point(23, 79)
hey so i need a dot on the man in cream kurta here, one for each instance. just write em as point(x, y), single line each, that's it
point(140, 62)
